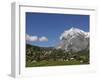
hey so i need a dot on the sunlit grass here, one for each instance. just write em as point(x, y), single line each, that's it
point(53, 63)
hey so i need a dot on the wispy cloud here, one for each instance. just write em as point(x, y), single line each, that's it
point(43, 38)
point(31, 38)
point(36, 38)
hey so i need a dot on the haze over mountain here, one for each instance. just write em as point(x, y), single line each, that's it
point(74, 40)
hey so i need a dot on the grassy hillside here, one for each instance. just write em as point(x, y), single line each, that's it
point(48, 56)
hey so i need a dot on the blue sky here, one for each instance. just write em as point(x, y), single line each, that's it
point(52, 26)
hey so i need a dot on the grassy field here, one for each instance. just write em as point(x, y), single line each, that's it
point(53, 63)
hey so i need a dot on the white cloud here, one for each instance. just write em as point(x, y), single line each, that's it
point(31, 38)
point(36, 38)
point(43, 39)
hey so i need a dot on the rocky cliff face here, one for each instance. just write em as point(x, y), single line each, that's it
point(74, 40)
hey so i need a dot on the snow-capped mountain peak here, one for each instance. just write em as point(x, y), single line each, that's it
point(72, 32)
point(74, 39)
